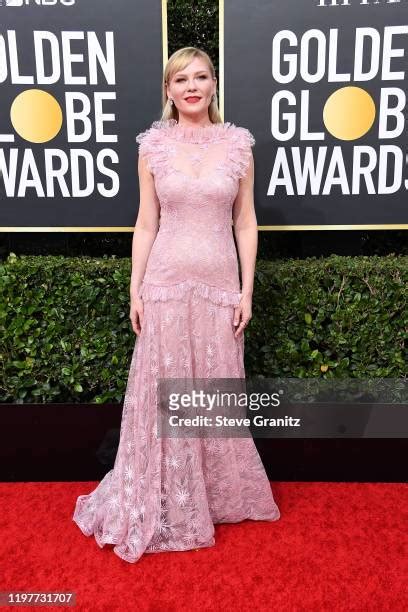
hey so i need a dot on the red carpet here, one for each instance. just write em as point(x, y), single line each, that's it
point(337, 546)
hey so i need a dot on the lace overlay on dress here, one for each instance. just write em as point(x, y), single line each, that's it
point(166, 494)
point(196, 172)
point(167, 140)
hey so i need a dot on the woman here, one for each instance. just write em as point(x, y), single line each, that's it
point(196, 176)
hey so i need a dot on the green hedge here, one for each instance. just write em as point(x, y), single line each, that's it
point(65, 333)
point(334, 317)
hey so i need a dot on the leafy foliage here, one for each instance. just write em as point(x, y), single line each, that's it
point(65, 329)
point(336, 317)
point(65, 333)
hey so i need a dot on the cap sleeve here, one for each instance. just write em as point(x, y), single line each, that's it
point(240, 152)
point(152, 147)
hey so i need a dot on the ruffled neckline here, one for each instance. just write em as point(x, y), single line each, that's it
point(194, 134)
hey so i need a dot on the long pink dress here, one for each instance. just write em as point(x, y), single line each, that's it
point(166, 494)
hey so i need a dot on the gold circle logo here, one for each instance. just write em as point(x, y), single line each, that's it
point(36, 115)
point(349, 113)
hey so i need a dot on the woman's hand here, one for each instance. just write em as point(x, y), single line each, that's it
point(136, 314)
point(243, 313)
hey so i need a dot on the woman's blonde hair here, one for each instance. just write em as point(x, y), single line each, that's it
point(178, 61)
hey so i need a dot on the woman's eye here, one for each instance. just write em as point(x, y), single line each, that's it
point(203, 76)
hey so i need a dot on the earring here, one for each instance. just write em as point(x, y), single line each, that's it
point(171, 102)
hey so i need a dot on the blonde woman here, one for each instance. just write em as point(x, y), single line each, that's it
point(189, 312)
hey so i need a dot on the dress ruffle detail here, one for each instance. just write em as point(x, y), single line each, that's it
point(187, 133)
point(154, 149)
point(162, 293)
point(239, 151)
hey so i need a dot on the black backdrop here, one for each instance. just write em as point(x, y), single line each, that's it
point(341, 459)
point(197, 24)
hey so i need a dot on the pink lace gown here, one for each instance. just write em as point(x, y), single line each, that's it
point(166, 494)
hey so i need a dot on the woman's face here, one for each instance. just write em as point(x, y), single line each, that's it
point(194, 80)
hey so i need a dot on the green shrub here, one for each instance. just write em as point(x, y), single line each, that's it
point(329, 317)
point(65, 333)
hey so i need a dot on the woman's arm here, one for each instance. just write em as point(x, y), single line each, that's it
point(246, 228)
point(146, 227)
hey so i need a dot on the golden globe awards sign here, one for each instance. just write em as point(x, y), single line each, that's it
point(322, 85)
point(78, 79)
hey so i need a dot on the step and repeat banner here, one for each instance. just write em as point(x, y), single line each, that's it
point(322, 85)
point(78, 80)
